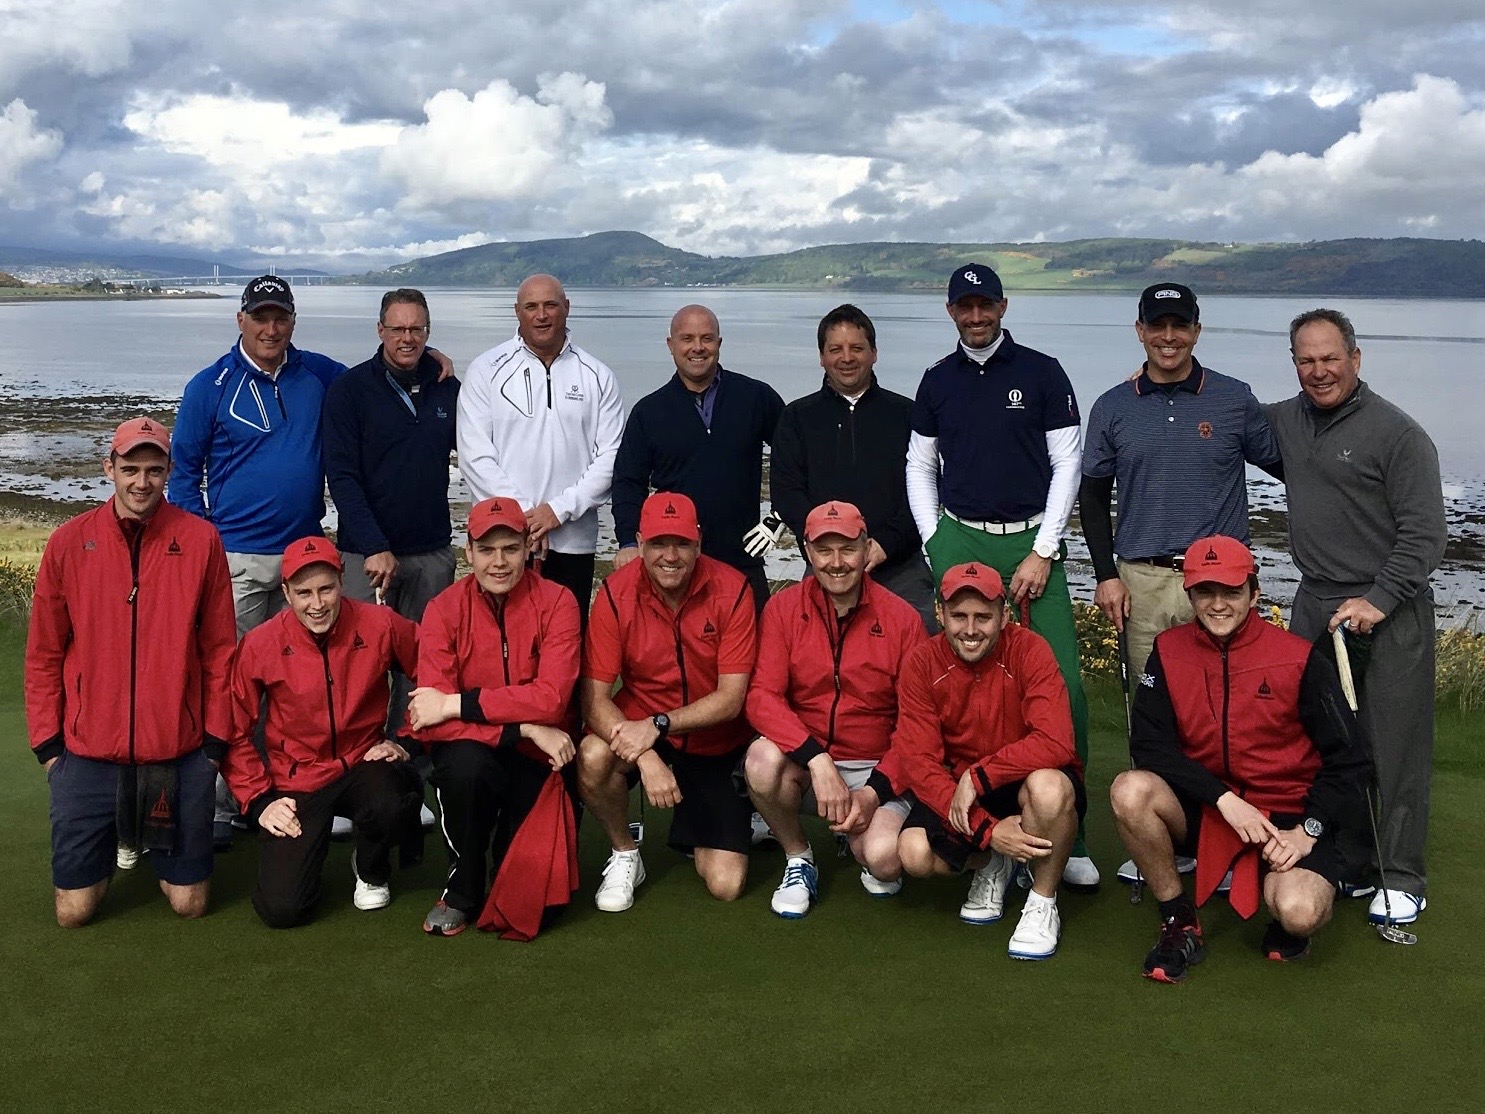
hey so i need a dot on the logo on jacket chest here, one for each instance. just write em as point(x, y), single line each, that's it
point(357, 643)
point(173, 549)
point(876, 630)
point(1264, 692)
point(708, 630)
point(574, 393)
point(1015, 399)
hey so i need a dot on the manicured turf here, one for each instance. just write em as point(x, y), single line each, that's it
point(686, 1004)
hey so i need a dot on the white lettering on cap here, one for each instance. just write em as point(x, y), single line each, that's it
point(1167, 293)
point(971, 276)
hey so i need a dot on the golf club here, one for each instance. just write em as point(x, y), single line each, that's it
point(1137, 887)
point(1392, 933)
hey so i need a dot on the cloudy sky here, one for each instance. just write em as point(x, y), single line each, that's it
point(733, 126)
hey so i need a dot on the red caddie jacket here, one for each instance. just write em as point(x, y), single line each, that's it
point(826, 684)
point(513, 659)
point(327, 698)
point(670, 659)
point(131, 639)
point(1263, 716)
point(1002, 718)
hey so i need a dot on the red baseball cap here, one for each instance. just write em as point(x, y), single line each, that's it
point(313, 550)
point(140, 431)
point(669, 515)
point(834, 518)
point(1218, 560)
point(487, 514)
point(975, 577)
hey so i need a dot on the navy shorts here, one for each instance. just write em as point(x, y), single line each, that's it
point(713, 813)
point(84, 815)
point(1001, 802)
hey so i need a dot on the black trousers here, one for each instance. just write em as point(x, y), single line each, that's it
point(574, 571)
point(380, 798)
point(484, 793)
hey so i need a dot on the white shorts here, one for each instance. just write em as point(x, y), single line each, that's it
point(854, 772)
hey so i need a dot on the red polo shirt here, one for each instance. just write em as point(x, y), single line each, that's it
point(669, 659)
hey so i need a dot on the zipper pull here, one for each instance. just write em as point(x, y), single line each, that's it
point(133, 595)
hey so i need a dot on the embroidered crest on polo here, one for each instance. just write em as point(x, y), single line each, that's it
point(1205, 429)
point(1015, 400)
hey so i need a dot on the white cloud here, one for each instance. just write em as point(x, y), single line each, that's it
point(497, 145)
point(21, 142)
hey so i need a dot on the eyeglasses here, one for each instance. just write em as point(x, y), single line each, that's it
point(410, 331)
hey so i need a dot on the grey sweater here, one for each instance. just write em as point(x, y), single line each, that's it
point(1366, 505)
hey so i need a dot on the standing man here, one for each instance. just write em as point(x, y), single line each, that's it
point(680, 631)
point(498, 656)
point(1247, 757)
point(1366, 528)
point(126, 683)
point(320, 670)
point(992, 473)
point(540, 421)
point(823, 700)
point(701, 435)
point(247, 447)
point(1176, 441)
point(388, 430)
point(984, 743)
point(848, 441)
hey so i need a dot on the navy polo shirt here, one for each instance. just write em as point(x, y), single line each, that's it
point(1177, 453)
point(992, 424)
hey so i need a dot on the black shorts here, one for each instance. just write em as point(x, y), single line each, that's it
point(712, 813)
point(1324, 859)
point(1001, 802)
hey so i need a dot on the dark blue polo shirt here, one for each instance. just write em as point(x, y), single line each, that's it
point(1177, 454)
point(992, 424)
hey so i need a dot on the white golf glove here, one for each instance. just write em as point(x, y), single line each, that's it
point(763, 537)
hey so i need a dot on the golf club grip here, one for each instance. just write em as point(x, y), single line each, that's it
point(1343, 666)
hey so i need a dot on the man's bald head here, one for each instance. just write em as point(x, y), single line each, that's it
point(695, 344)
point(541, 315)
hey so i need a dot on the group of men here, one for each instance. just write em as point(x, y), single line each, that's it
point(364, 668)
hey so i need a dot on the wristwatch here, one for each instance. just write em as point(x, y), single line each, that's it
point(1046, 550)
point(662, 724)
point(1313, 828)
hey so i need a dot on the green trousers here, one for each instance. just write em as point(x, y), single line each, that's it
point(1051, 616)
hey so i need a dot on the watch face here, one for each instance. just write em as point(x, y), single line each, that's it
point(1313, 828)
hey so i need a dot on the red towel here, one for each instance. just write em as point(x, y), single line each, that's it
point(1220, 848)
point(540, 869)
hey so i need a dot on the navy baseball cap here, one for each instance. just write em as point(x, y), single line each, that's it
point(1168, 299)
point(975, 278)
point(267, 290)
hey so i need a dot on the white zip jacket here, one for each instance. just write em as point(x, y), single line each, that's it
point(542, 435)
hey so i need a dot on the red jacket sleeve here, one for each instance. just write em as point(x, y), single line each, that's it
point(46, 645)
point(216, 639)
point(738, 651)
point(603, 657)
point(404, 639)
point(242, 766)
point(768, 707)
point(1048, 742)
point(438, 668)
point(545, 699)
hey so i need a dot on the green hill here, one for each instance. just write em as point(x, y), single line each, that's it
point(1395, 267)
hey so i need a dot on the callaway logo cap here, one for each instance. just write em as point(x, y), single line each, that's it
point(139, 431)
point(834, 518)
point(668, 515)
point(1218, 560)
point(1168, 299)
point(487, 514)
point(975, 578)
point(267, 290)
point(974, 278)
point(313, 550)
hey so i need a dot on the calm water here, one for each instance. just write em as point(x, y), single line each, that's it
point(1424, 355)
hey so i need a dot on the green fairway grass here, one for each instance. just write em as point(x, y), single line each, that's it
point(685, 1004)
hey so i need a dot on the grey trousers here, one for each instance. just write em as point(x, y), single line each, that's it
point(1396, 697)
point(913, 581)
point(419, 577)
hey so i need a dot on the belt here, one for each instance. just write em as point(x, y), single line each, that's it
point(1164, 561)
point(996, 527)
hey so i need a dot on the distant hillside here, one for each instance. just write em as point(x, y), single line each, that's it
point(1397, 267)
point(111, 265)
